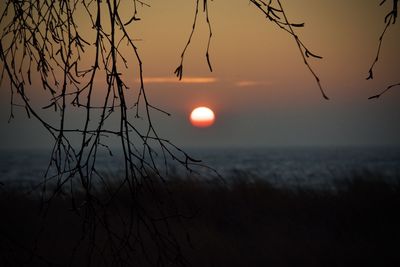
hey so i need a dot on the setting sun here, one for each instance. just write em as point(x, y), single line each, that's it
point(202, 117)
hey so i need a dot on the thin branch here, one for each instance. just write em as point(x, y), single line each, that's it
point(274, 15)
point(390, 19)
point(384, 91)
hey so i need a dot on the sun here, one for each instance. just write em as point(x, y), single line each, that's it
point(202, 117)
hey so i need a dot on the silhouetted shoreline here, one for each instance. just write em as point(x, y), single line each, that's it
point(246, 222)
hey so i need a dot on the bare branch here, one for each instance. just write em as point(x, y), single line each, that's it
point(275, 14)
point(390, 19)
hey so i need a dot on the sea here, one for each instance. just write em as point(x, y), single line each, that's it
point(309, 166)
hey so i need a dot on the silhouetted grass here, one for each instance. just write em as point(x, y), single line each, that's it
point(244, 222)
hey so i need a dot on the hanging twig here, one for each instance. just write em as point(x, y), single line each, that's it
point(390, 19)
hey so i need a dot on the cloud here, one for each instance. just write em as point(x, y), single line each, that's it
point(248, 83)
point(176, 80)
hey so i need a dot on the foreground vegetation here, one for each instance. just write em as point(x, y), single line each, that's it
point(350, 222)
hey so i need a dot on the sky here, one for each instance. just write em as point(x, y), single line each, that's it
point(260, 90)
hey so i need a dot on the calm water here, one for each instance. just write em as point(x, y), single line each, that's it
point(279, 165)
point(306, 165)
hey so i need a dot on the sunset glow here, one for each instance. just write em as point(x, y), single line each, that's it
point(262, 92)
point(202, 117)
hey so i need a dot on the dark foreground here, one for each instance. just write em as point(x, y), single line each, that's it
point(355, 222)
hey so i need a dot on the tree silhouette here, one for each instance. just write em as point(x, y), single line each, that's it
point(43, 47)
point(41, 39)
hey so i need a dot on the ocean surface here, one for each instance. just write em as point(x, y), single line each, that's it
point(306, 165)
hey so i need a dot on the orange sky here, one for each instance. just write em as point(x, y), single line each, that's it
point(261, 91)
